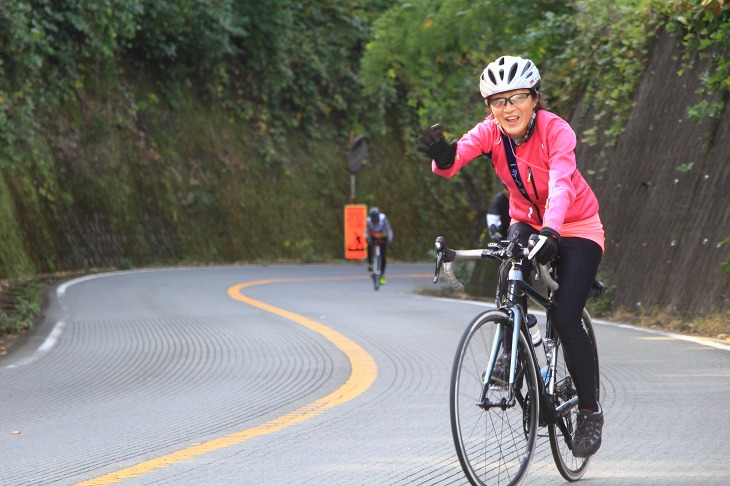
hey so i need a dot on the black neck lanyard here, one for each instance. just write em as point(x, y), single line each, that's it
point(509, 151)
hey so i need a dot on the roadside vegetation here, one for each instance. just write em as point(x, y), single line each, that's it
point(20, 308)
point(148, 133)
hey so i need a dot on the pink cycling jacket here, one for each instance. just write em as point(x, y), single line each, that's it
point(546, 163)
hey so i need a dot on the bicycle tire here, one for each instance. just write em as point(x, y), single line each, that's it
point(571, 468)
point(494, 445)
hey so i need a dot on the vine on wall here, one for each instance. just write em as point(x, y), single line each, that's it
point(704, 29)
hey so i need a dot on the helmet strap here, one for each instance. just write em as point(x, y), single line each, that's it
point(528, 133)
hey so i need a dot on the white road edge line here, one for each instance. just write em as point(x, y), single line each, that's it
point(53, 336)
point(694, 339)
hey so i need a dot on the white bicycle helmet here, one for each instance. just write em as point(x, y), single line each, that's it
point(374, 214)
point(508, 73)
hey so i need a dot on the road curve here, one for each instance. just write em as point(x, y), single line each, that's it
point(302, 374)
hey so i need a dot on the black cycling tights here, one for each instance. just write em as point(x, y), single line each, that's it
point(576, 269)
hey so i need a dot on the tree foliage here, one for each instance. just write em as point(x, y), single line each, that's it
point(426, 55)
point(283, 64)
point(171, 126)
point(115, 113)
point(705, 29)
point(423, 65)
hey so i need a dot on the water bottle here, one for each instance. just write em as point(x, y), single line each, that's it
point(536, 340)
point(534, 330)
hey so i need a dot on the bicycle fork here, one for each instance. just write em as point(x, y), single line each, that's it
point(500, 335)
point(515, 275)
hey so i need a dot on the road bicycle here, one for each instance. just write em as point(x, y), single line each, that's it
point(377, 263)
point(495, 426)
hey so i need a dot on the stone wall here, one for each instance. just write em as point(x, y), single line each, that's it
point(664, 220)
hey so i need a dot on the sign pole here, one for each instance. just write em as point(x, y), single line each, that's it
point(352, 188)
point(356, 214)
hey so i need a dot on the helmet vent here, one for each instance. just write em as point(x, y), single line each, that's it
point(528, 65)
point(512, 73)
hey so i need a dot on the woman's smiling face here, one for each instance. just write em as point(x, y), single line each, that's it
point(512, 111)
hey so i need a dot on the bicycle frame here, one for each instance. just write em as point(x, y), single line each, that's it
point(548, 413)
point(377, 263)
point(517, 286)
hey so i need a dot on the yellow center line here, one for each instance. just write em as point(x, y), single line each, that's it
point(362, 375)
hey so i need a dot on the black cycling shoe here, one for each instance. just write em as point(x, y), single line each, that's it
point(588, 432)
point(500, 374)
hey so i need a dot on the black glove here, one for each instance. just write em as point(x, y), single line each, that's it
point(494, 233)
point(598, 288)
point(549, 248)
point(433, 143)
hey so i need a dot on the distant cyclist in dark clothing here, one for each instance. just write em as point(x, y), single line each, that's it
point(498, 215)
point(378, 231)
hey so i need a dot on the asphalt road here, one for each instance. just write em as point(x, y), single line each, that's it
point(302, 374)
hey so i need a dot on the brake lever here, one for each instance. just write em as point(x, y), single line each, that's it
point(514, 241)
point(439, 245)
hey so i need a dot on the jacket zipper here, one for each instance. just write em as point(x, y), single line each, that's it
point(531, 180)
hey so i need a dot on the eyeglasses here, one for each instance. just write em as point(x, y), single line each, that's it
point(501, 103)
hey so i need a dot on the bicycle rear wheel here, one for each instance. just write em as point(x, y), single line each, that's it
point(495, 445)
point(571, 468)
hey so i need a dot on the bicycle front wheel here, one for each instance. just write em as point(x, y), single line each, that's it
point(376, 269)
point(494, 444)
point(571, 468)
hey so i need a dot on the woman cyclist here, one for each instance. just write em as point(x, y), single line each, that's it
point(533, 153)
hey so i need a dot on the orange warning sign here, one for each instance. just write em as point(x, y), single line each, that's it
point(356, 247)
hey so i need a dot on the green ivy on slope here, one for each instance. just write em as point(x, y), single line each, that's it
point(705, 29)
point(130, 130)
